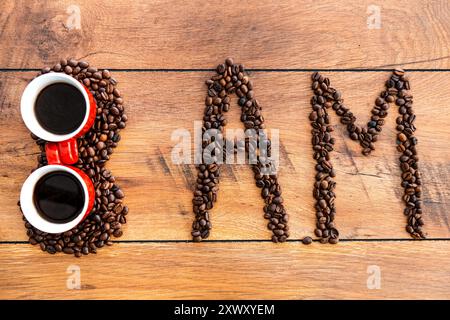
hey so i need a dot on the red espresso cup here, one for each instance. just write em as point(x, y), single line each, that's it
point(28, 199)
point(61, 151)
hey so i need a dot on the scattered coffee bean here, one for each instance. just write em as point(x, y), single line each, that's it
point(325, 97)
point(95, 148)
point(231, 78)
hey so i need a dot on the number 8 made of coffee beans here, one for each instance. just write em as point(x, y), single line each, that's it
point(95, 148)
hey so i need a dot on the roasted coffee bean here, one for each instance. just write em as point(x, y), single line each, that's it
point(95, 147)
point(100, 145)
point(231, 78)
point(307, 240)
point(324, 97)
point(333, 240)
point(119, 194)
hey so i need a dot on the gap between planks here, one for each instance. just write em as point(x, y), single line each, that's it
point(299, 70)
point(248, 240)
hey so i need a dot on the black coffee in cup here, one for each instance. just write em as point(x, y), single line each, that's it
point(60, 108)
point(59, 197)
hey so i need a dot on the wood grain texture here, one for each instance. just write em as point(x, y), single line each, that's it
point(192, 34)
point(158, 191)
point(170, 35)
point(232, 271)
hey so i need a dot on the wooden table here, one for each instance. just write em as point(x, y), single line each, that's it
point(161, 52)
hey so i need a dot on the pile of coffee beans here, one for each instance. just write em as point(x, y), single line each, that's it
point(95, 148)
point(231, 78)
point(326, 97)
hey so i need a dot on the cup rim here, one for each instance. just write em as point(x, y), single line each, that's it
point(30, 95)
point(31, 213)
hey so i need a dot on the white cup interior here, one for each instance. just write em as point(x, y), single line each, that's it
point(30, 211)
point(30, 95)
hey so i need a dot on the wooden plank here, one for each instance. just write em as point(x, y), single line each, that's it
point(408, 270)
point(158, 192)
point(198, 34)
